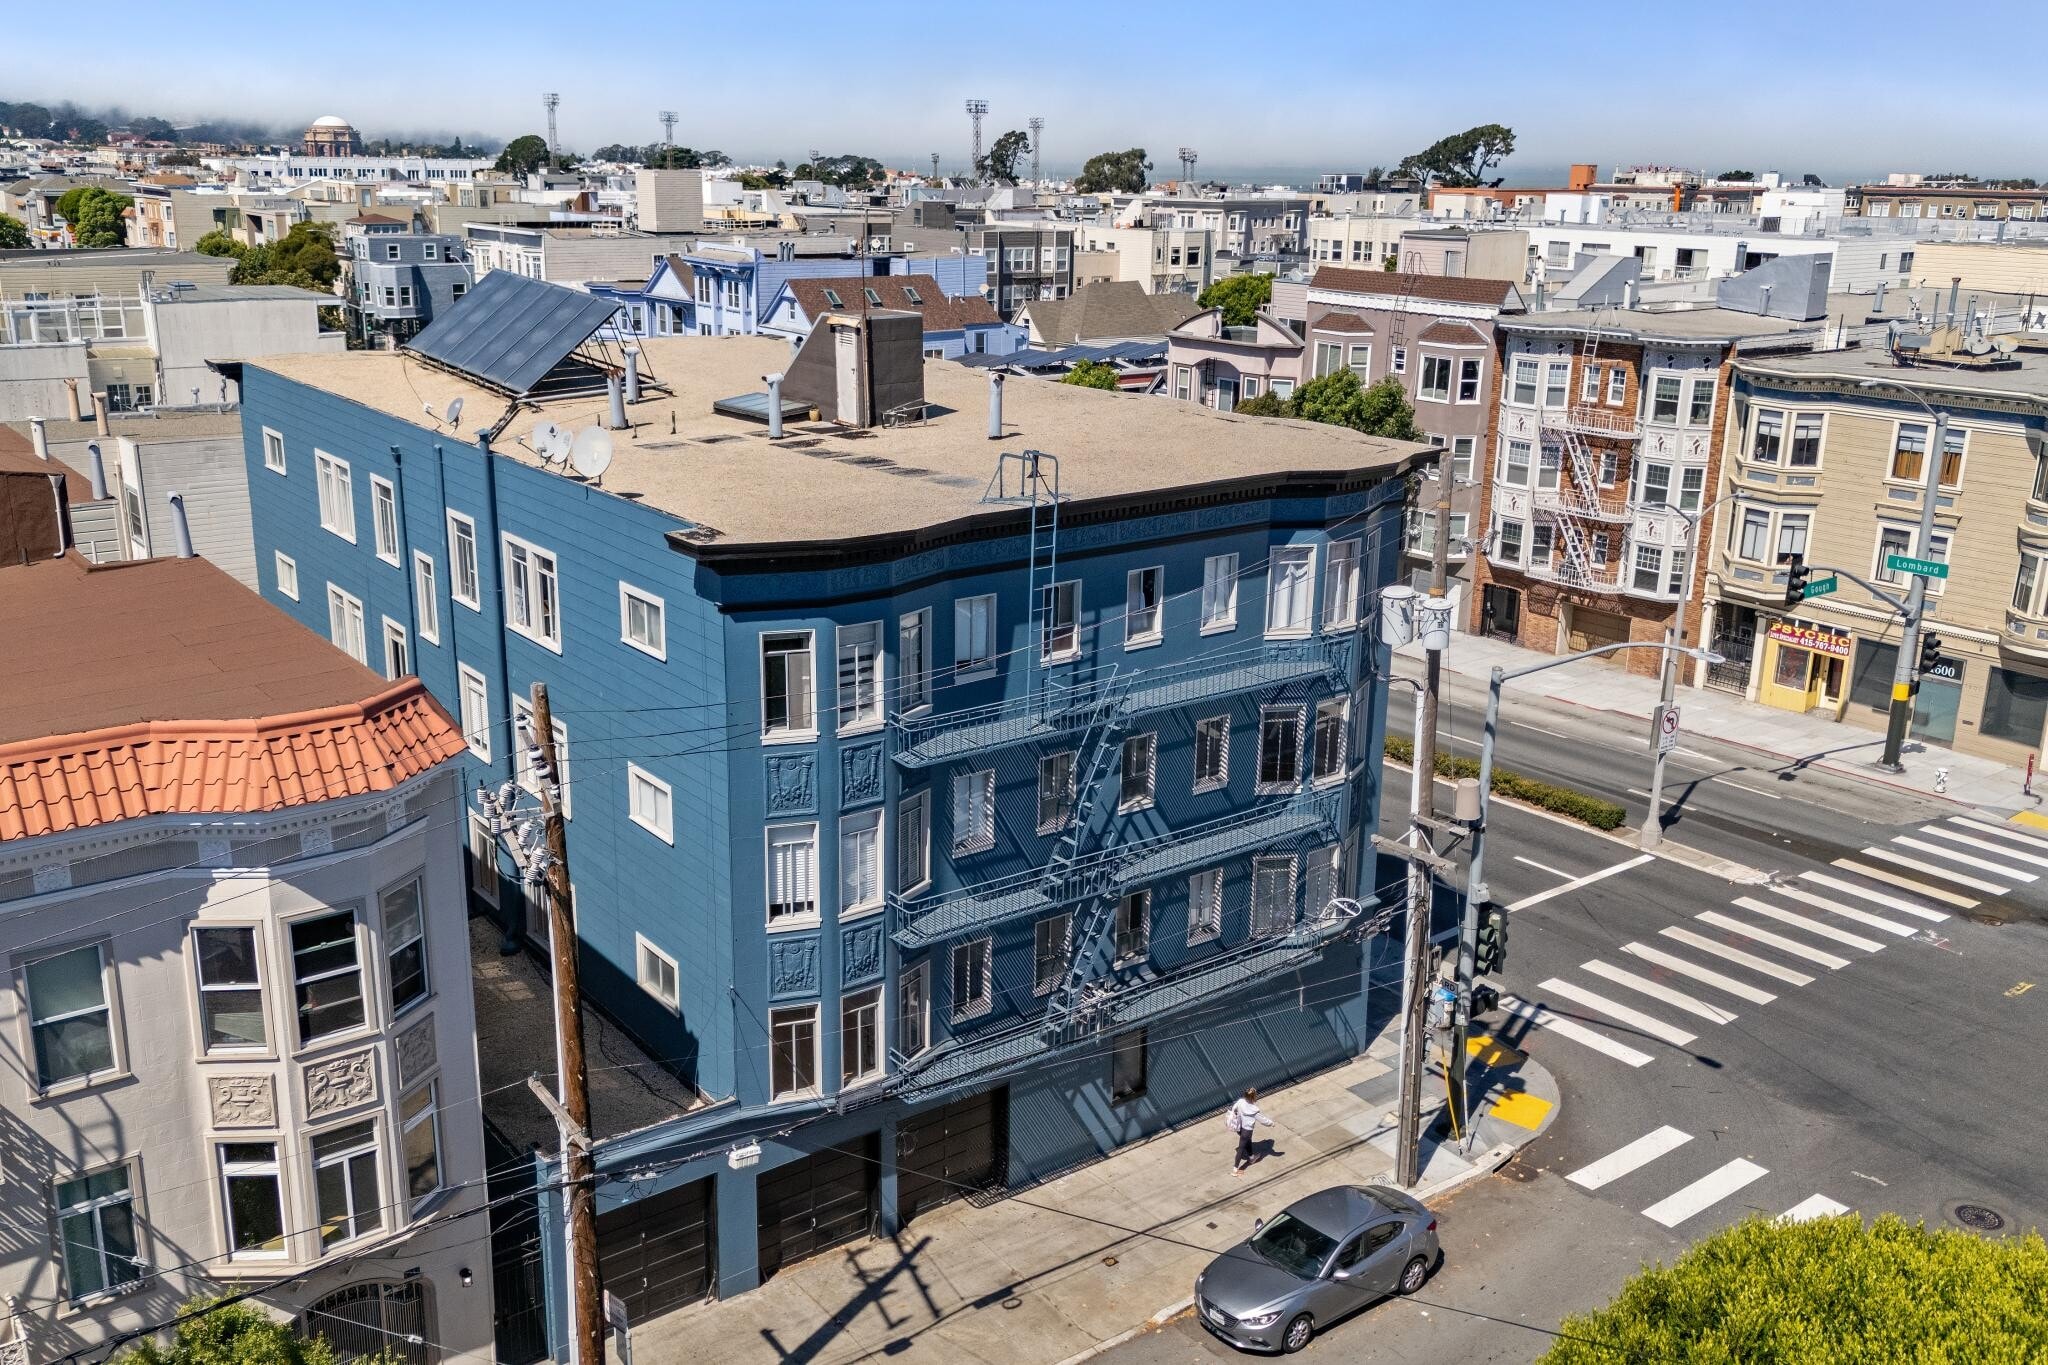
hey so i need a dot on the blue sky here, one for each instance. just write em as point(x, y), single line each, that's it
point(1830, 86)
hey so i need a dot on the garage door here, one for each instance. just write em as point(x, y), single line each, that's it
point(817, 1203)
point(951, 1151)
point(1592, 628)
point(655, 1253)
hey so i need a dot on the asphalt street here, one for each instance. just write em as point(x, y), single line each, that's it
point(1856, 1025)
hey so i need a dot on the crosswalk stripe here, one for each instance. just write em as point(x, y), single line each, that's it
point(1890, 926)
point(1691, 1004)
point(1749, 960)
point(1931, 870)
point(1617, 1011)
point(1809, 924)
point(1892, 879)
point(2004, 831)
point(1678, 964)
point(1955, 836)
point(1813, 1206)
point(2018, 874)
point(1634, 1156)
point(1778, 941)
point(1578, 1033)
point(1704, 1193)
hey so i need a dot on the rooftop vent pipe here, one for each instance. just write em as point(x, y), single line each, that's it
point(99, 414)
point(181, 526)
point(1628, 294)
point(1877, 305)
point(632, 374)
point(71, 399)
point(99, 472)
point(774, 382)
point(995, 405)
point(39, 437)
point(615, 414)
point(1955, 289)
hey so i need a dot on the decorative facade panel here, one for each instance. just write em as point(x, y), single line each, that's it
point(860, 775)
point(792, 784)
point(242, 1101)
point(793, 966)
point(340, 1083)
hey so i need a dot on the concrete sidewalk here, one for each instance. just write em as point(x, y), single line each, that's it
point(1061, 1270)
point(1809, 740)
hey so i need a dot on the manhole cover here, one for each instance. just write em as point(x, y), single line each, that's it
point(1979, 1217)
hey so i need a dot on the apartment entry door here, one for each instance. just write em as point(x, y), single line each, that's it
point(1500, 612)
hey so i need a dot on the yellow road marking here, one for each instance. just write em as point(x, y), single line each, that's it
point(1491, 1051)
point(1521, 1108)
point(2021, 989)
point(2034, 818)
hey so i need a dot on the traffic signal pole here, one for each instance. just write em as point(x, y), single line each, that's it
point(1905, 674)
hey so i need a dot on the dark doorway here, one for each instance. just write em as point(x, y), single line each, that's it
point(1500, 612)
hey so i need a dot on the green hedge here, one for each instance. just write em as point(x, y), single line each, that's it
point(1590, 810)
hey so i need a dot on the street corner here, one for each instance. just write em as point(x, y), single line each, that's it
point(1515, 1096)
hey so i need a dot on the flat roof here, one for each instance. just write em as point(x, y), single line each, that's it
point(170, 425)
point(2025, 376)
point(825, 483)
point(1650, 324)
point(242, 293)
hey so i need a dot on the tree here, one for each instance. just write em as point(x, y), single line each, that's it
point(525, 153)
point(33, 120)
point(1091, 374)
point(94, 214)
point(237, 1334)
point(1001, 161)
point(1239, 296)
point(1339, 400)
point(218, 243)
point(1264, 405)
point(1125, 172)
point(1462, 159)
point(155, 129)
point(303, 257)
point(13, 233)
point(1826, 1292)
point(1736, 175)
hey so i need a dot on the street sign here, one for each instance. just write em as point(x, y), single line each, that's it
point(1926, 568)
point(1667, 729)
point(1821, 587)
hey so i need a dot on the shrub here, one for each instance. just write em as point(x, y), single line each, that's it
point(1578, 805)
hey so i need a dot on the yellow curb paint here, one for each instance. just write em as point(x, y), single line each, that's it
point(2028, 817)
point(1492, 1052)
point(2021, 989)
point(1521, 1109)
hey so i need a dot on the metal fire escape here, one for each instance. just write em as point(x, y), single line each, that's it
point(1578, 507)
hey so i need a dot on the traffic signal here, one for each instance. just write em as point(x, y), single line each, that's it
point(1795, 578)
point(1490, 954)
point(1931, 656)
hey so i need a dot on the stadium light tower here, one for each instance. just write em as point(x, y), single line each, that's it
point(1037, 126)
point(975, 110)
point(552, 101)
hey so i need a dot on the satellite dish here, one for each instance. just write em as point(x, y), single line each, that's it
point(2004, 345)
point(454, 411)
point(545, 440)
point(564, 438)
point(590, 454)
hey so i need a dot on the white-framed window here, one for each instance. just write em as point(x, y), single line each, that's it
point(1806, 440)
point(252, 1200)
point(860, 1037)
point(1358, 358)
point(1468, 381)
point(643, 620)
point(656, 972)
point(397, 653)
point(1340, 585)
point(1617, 385)
point(913, 841)
point(914, 660)
point(474, 696)
point(973, 991)
point(419, 1116)
point(1516, 461)
point(1399, 360)
point(1138, 773)
point(1434, 385)
point(860, 863)
point(287, 576)
point(337, 496)
point(650, 803)
point(1051, 952)
point(974, 634)
point(1767, 445)
point(327, 975)
point(1752, 534)
point(226, 965)
point(1279, 748)
point(1589, 384)
point(523, 770)
point(1333, 726)
point(345, 624)
point(1219, 593)
point(1055, 791)
point(345, 1171)
point(1898, 540)
point(1212, 753)
point(1272, 895)
point(1523, 388)
point(974, 811)
point(533, 594)
point(914, 1010)
point(1322, 873)
point(1144, 606)
point(1290, 590)
point(859, 649)
point(1205, 905)
point(1557, 379)
point(1909, 453)
point(463, 582)
point(2032, 572)
point(71, 1016)
point(793, 1052)
point(1792, 528)
point(96, 1225)
point(426, 597)
point(1664, 398)
point(792, 874)
point(384, 517)
point(1699, 401)
point(273, 450)
point(1463, 449)
point(1133, 927)
point(1508, 542)
point(483, 860)
point(403, 912)
point(788, 686)
point(1060, 632)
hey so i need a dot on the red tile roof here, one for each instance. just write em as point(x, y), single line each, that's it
point(1394, 283)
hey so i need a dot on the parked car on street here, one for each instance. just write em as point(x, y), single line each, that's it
point(1324, 1257)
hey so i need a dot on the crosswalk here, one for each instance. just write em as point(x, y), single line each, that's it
point(1635, 1170)
point(1698, 974)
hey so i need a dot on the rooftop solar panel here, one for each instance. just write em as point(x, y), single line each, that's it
point(509, 331)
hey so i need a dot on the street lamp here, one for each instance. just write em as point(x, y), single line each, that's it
point(1905, 680)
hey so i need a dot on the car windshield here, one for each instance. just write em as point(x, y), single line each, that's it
point(1294, 1246)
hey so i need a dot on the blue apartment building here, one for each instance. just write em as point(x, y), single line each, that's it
point(731, 290)
point(942, 833)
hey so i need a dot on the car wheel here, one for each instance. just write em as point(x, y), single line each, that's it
point(1297, 1334)
point(1413, 1275)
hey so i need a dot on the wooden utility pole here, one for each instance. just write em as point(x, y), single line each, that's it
point(586, 1307)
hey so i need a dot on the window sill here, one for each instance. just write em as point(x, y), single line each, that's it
point(969, 850)
point(1292, 633)
point(349, 536)
point(788, 737)
point(79, 1085)
point(553, 646)
point(855, 912)
point(1275, 788)
point(1131, 807)
point(1143, 642)
point(1220, 627)
point(660, 655)
point(1055, 660)
point(1203, 788)
point(476, 606)
point(1337, 627)
point(666, 836)
point(795, 924)
point(865, 727)
point(308, 1053)
point(1325, 783)
point(969, 1016)
point(390, 559)
point(917, 889)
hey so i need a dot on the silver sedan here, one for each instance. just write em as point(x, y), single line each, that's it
point(1324, 1257)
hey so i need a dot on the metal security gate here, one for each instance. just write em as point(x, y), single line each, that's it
point(519, 1291)
point(818, 1202)
point(952, 1151)
point(655, 1253)
point(1591, 628)
point(1735, 642)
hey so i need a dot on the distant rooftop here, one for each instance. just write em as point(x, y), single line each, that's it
point(1650, 324)
point(2024, 376)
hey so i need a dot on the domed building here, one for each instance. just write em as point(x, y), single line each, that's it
point(331, 136)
